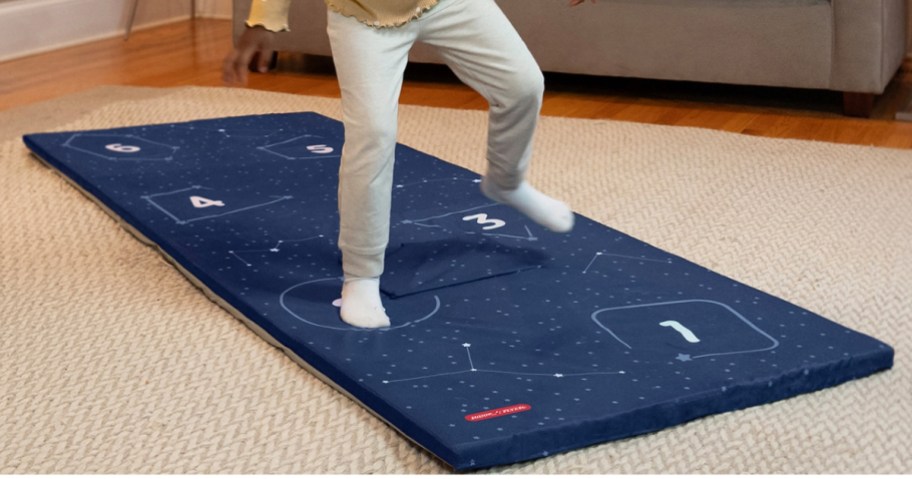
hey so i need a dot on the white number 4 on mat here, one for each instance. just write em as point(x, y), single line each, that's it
point(200, 202)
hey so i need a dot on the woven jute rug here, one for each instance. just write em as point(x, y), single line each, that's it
point(112, 362)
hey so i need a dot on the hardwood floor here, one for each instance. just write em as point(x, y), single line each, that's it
point(190, 53)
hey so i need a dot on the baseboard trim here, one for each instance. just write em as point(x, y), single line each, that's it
point(36, 26)
point(906, 113)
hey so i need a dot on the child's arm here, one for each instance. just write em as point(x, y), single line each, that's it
point(266, 18)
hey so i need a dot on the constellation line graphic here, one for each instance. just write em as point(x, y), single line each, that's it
point(473, 369)
point(274, 249)
point(436, 180)
point(602, 253)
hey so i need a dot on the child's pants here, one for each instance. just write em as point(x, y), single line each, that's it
point(481, 46)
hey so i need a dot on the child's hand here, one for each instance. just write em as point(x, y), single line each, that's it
point(574, 3)
point(254, 40)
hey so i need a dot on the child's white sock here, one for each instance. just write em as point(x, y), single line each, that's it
point(539, 207)
point(361, 305)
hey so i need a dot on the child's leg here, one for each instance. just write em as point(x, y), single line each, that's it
point(483, 49)
point(369, 65)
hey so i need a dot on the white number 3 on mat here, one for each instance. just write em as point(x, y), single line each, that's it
point(482, 219)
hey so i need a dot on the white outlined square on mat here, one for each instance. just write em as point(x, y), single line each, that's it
point(201, 203)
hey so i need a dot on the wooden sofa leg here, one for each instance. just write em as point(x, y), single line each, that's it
point(857, 104)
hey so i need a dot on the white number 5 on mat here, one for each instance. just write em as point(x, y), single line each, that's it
point(320, 149)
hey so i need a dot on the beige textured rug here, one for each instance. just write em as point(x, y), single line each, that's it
point(112, 362)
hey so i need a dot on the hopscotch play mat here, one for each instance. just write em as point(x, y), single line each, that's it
point(507, 342)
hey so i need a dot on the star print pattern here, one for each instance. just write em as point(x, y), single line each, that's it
point(587, 330)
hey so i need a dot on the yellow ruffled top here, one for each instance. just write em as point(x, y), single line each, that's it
point(273, 14)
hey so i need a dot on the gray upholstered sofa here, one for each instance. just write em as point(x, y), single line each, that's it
point(851, 46)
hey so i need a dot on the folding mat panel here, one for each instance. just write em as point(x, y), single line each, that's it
point(507, 343)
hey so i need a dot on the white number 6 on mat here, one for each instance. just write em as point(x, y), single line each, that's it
point(119, 148)
point(200, 202)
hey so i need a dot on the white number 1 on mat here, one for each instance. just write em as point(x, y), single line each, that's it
point(688, 334)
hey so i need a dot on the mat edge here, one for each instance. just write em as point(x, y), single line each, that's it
point(231, 310)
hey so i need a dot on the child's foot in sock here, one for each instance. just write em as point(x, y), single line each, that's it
point(539, 207)
point(361, 305)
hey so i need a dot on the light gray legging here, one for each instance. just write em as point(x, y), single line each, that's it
point(481, 46)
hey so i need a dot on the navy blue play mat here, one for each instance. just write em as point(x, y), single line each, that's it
point(507, 343)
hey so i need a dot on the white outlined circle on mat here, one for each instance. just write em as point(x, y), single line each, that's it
point(333, 311)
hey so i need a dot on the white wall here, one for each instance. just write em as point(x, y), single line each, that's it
point(214, 9)
point(909, 29)
point(33, 26)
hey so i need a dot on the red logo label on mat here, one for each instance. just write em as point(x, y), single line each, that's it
point(499, 412)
